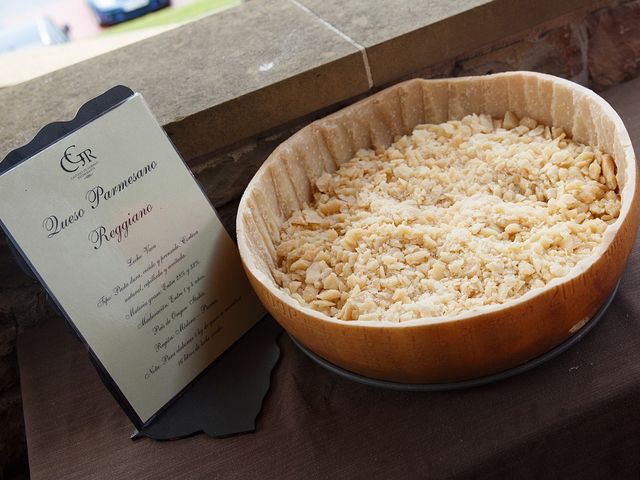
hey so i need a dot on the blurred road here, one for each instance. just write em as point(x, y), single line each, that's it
point(74, 13)
point(22, 65)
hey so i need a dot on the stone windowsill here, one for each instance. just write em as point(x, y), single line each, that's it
point(248, 70)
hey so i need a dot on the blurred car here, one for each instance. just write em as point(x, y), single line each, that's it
point(38, 32)
point(110, 12)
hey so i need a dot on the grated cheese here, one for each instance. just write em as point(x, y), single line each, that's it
point(451, 218)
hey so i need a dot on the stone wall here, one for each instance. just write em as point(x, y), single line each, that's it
point(598, 48)
point(614, 44)
point(22, 304)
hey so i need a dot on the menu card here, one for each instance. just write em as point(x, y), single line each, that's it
point(130, 249)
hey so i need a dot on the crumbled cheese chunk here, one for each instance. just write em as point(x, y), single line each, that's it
point(453, 217)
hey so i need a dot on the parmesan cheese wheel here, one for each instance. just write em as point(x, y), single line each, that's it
point(465, 343)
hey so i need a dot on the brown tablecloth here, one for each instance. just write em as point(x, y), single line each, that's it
point(577, 416)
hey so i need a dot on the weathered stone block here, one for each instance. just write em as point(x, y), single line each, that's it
point(561, 51)
point(7, 335)
point(614, 44)
point(13, 445)
point(24, 306)
point(12, 276)
point(8, 372)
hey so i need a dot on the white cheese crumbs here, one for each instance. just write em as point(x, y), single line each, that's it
point(454, 217)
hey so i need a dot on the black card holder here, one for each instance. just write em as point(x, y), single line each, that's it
point(226, 398)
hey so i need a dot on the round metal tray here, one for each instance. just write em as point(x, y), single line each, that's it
point(474, 382)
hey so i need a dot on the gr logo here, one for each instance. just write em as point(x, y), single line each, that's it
point(72, 160)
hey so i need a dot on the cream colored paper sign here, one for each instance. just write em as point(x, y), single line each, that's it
point(131, 249)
